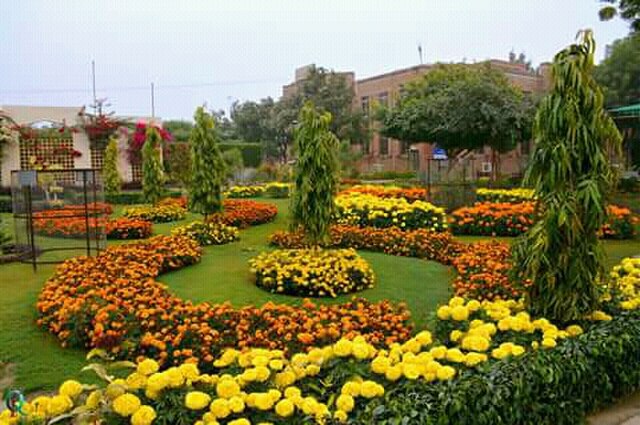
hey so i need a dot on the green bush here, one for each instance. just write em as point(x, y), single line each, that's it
point(558, 386)
point(5, 205)
point(251, 152)
point(629, 184)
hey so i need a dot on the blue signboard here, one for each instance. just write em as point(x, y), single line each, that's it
point(439, 153)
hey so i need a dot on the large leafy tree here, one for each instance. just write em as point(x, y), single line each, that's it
point(619, 74)
point(570, 172)
point(153, 178)
point(459, 107)
point(111, 176)
point(207, 165)
point(628, 10)
point(252, 121)
point(316, 173)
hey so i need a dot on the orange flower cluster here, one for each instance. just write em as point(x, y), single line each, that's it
point(113, 302)
point(513, 219)
point(482, 267)
point(493, 219)
point(244, 213)
point(70, 222)
point(410, 194)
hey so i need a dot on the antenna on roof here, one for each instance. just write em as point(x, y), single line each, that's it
point(420, 52)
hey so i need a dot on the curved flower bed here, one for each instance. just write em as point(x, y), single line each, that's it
point(312, 272)
point(513, 196)
point(278, 190)
point(69, 222)
point(157, 213)
point(369, 210)
point(113, 302)
point(243, 213)
point(410, 194)
point(513, 219)
point(207, 233)
point(245, 191)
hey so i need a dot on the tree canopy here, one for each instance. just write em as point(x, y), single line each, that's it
point(619, 74)
point(459, 107)
point(628, 10)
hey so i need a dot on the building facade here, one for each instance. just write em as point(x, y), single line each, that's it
point(385, 154)
point(73, 150)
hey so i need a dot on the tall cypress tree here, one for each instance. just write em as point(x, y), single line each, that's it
point(152, 172)
point(571, 174)
point(207, 166)
point(111, 177)
point(316, 174)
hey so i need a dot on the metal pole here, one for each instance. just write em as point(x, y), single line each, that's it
point(86, 212)
point(93, 77)
point(153, 102)
point(32, 242)
point(95, 201)
point(429, 178)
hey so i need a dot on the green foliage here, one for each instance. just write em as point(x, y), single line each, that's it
point(112, 180)
point(461, 107)
point(7, 134)
point(233, 160)
point(571, 176)
point(207, 166)
point(180, 130)
point(316, 174)
point(178, 163)
point(127, 198)
point(619, 74)
point(251, 152)
point(628, 10)
point(4, 232)
point(152, 173)
point(252, 121)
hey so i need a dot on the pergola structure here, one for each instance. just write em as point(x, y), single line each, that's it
point(627, 119)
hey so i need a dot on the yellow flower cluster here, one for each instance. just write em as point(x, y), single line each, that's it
point(368, 210)
point(312, 272)
point(244, 191)
point(499, 320)
point(626, 282)
point(505, 195)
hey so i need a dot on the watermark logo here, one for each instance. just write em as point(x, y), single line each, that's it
point(14, 400)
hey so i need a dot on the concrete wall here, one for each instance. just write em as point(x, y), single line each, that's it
point(10, 161)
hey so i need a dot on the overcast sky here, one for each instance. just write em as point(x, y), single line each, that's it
point(219, 51)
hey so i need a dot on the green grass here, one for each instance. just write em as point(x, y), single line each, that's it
point(41, 364)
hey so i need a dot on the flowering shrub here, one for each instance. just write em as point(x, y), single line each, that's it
point(113, 302)
point(243, 213)
point(410, 194)
point(493, 219)
point(513, 219)
point(312, 272)
point(492, 352)
point(180, 201)
point(278, 190)
point(128, 228)
point(625, 287)
point(157, 213)
point(369, 210)
point(513, 196)
point(244, 191)
point(207, 233)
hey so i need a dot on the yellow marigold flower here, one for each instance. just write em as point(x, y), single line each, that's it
point(474, 305)
point(143, 416)
point(136, 381)
point(500, 353)
point(393, 373)
point(220, 408)
point(343, 348)
point(549, 342)
point(260, 361)
point(459, 313)
point(517, 350)
point(227, 388)
point(455, 355)
point(93, 400)
point(157, 382)
point(351, 388)
point(126, 404)
point(148, 366)
point(59, 404)
point(438, 352)
point(370, 389)
point(262, 373)
point(292, 392)
point(456, 302)
point(116, 389)
point(70, 388)
point(380, 364)
point(174, 377)
point(196, 400)
point(189, 371)
point(473, 359)
point(276, 364)
point(574, 330)
point(241, 421)
point(444, 312)
point(284, 379)
point(445, 373)
point(424, 338)
point(340, 415)
point(345, 402)
point(236, 404)
point(264, 401)
point(361, 350)
point(455, 335)
point(410, 371)
point(285, 408)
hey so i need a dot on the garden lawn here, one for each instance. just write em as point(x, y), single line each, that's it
point(39, 363)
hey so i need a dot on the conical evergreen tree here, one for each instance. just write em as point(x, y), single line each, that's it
point(152, 171)
point(571, 174)
point(316, 174)
point(112, 180)
point(207, 166)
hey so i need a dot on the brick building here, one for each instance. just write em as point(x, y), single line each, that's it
point(387, 154)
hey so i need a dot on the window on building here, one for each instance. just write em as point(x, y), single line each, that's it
point(383, 146)
point(364, 102)
point(383, 98)
point(404, 147)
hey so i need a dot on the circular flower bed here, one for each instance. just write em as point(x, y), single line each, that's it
point(513, 196)
point(128, 228)
point(410, 194)
point(207, 233)
point(312, 272)
point(243, 213)
point(245, 191)
point(368, 210)
point(157, 213)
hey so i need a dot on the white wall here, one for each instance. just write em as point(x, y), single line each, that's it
point(81, 143)
point(10, 161)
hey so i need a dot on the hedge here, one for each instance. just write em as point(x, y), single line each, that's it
point(558, 386)
point(130, 198)
point(5, 205)
point(251, 152)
